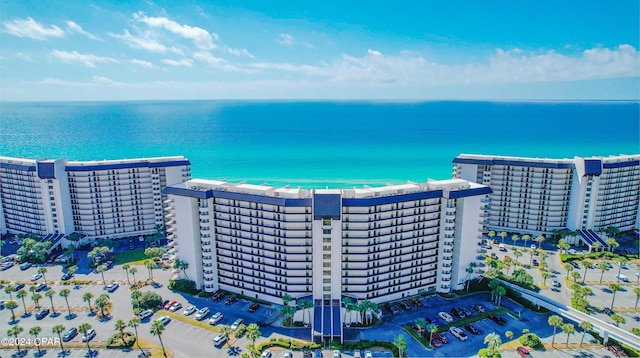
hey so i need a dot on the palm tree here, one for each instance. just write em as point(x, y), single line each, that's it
point(36, 297)
point(432, 329)
point(494, 341)
point(120, 326)
point(540, 239)
point(531, 252)
point(614, 287)
point(50, 294)
point(72, 270)
point(525, 238)
point(15, 331)
point(346, 301)
point(58, 329)
point(637, 292)
point(156, 329)
point(42, 271)
point(401, 343)
point(225, 331)
point(602, 267)
point(8, 289)
point(515, 239)
point(613, 244)
point(135, 298)
point(491, 234)
point(503, 235)
point(545, 275)
point(253, 333)
point(576, 276)
point(517, 253)
point(101, 269)
point(87, 298)
point(500, 291)
point(587, 265)
point(469, 270)
point(35, 331)
point(618, 319)
point(21, 295)
point(65, 292)
point(304, 306)
point(12, 305)
point(126, 268)
point(421, 323)
point(182, 266)
point(84, 328)
point(569, 268)
point(568, 329)
point(134, 323)
point(149, 265)
point(103, 302)
point(555, 321)
point(133, 271)
point(586, 327)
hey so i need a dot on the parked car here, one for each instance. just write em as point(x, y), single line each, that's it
point(145, 314)
point(18, 286)
point(573, 252)
point(471, 329)
point(25, 266)
point(356, 354)
point(162, 304)
point(535, 262)
point(523, 352)
point(477, 308)
point(89, 336)
point(441, 337)
point(203, 313)
point(66, 276)
point(112, 286)
point(463, 311)
point(445, 317)
point(608, 311)
point(574, 264)
point(219, 340)
point(235, 324)
point(176, 306)
point(6, 265)
point(42, 313)
point(502, 248)
point(458, 333)
point(254, 307)
point(617, 351)
point(622, 277)
point(436, 342)
point(164, 320)
point(215, 318)
point(266, 354)
point(190, 310)
point(41, 287)
point(533, 246)
point(169, 304)
point(336, 354)
point(497, 319)
point(394, 309)
point(368, 354)
point(555, 283)
point(230, 300)
point(72, 332)
point(36, 277)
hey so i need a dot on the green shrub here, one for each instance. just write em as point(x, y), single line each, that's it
point(184, 286)
point(115, 341)
point(530, 340)
point(487, 353)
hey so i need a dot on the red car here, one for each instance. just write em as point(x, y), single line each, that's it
point(436, 342)
point(523, 352)
point(168, 305)
point(441, 338)
point(617, 351)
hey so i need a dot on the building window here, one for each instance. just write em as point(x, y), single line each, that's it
point(326, 239)
point(326, 221)
point(326, 256)
point(326, 248)
point(326, 231)
point(326, 264)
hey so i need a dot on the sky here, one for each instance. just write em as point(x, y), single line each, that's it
point(400, 50)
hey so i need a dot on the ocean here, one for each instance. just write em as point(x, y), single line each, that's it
point(318, 144)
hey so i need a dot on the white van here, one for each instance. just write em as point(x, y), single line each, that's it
point(502, 248)
point(457, 332)
point(219, 340)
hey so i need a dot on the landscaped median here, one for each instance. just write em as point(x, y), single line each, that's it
point(202, 324)
point(287, 343)
point(415, 334)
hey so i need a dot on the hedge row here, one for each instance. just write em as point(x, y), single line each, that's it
point(115, 341)
point(287, 343)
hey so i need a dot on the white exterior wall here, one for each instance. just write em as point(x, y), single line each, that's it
point(188, 238)
point(469, 224)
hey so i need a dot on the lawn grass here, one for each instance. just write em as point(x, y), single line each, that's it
point(130, 257)
point(418, 337)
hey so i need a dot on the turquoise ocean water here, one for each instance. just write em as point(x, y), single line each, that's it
point(318, 144)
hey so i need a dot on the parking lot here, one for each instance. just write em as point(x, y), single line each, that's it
point(391, 325)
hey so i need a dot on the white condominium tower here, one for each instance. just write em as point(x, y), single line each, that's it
point(541, 195)
point(110, 198)
point(378, 244)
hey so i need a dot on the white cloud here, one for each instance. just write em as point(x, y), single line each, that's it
point(88, 60)
point(286, 39)
point(73, 27)
point(200, 37)
point(103, 80)
point(512, 66)
point(145, 43)
point(178, 63)
point(242, 52)
point(219, 63)
point(142, 63)
point(23, 56)
point(31, 29)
